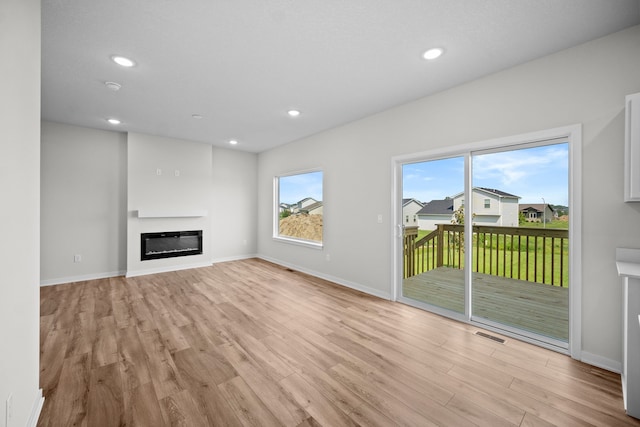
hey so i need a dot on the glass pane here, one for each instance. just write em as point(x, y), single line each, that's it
point(300, 208)
point(521, 239)
point(433, 196)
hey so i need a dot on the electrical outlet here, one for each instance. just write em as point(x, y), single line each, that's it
point(9, 411)
point(77, 258)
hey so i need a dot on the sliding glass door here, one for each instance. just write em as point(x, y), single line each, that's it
point(433, 233)
point(520, 256)
point(484, 236)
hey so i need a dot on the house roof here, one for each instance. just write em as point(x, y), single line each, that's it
point(538, 207)
point(305, 199)
point(405, 202)
point(496, 192)
point(492, 191)
point(437, 207)
point(312, 207)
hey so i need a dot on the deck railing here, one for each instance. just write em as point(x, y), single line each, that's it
point(532, 254)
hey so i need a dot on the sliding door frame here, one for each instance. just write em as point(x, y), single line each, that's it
point(570, 134)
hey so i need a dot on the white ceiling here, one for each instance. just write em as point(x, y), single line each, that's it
point(242, 64)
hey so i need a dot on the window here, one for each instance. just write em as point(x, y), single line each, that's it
point(487, 203)
point(407, 220)
point(299, 208)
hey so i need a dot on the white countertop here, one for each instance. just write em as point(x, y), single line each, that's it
point(628, 269)
point(628, 262)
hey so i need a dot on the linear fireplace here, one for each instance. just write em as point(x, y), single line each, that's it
point(170, 244)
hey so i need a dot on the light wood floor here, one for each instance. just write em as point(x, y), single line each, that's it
point(534, 307)
point(251, 343)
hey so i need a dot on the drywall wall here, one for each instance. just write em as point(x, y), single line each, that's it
point(173, 178)
point(19, 215)
point(582, 85)
point(84, 200)
point(235, 205)
point(84, 204)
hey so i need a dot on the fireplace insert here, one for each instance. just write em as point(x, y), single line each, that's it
point(170, 244)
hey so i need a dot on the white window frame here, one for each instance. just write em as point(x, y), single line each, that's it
point(276, 212)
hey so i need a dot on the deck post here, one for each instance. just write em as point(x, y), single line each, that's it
point(410, 236)
point(440, 245)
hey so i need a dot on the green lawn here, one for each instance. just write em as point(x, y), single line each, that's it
point(518, 258)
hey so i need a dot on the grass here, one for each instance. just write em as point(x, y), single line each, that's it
point(542, 260)
point(556, 224)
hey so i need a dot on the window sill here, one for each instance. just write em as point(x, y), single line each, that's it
point(299, 242)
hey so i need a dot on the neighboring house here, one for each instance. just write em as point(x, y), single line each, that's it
point(435, 212)
point(491, 207)
point(538, 212)
point(308, 205)
point(410, 208)
point(284, 207)
point(312, 209)
point(302, 204)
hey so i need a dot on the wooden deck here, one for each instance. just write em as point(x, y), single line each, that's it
point(542, 309)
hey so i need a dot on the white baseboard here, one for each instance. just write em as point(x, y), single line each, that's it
point(82, 278)
point(94, 276)
point(353, 285)
point(601, 362)
point(167, 269)
point(233, 258)
point(36, 408)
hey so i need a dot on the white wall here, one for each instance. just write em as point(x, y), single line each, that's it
point(188, 192)
point(234, 227)
point(84, 203)
point(20, 205)
point(586, 84)
point(220, 182)
point(84, 200)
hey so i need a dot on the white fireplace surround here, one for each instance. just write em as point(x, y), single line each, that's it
point(158, 202)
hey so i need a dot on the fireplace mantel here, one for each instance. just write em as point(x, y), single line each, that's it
point(150, 213)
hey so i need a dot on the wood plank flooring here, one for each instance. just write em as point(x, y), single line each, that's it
point(249, 343)
point(534, 307)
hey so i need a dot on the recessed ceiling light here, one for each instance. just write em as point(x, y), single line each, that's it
point(293, 113)
point(433, 53)
point(114, 121)
point(233, 142)
point(113, 86)
point(121, 60)
point(197, 116)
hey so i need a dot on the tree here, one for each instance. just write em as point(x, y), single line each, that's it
point(522, 218)
point(458, 216)
point(285, 213)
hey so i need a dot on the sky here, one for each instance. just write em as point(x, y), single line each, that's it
point(531, 173)
point(294, 188)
